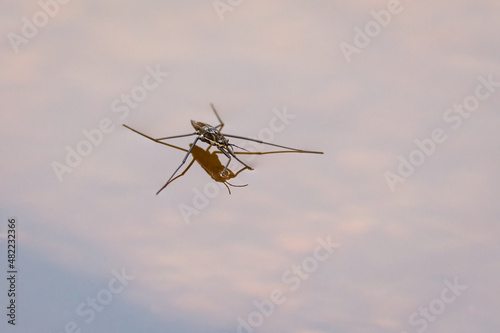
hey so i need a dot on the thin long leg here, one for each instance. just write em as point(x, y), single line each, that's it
point(249, 167)
point(221, 123)
point(183, 161)
point(176, 136)
point(155, 140)
point(230, 153)
point(228, 161)
point(269, 152)
point(272, 144)
point(185, 170)
point(273, 152)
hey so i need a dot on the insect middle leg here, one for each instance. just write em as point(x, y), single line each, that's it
point(175, 136)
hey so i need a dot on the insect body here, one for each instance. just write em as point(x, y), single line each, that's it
point(213, 136)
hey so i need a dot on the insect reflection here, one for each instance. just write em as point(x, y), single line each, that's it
point(211, 164)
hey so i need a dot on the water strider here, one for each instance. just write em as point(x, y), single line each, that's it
point(212, 135)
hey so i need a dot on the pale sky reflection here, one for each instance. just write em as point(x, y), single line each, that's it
point(207, 272)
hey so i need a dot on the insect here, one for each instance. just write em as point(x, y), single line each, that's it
point(209, 161)
point(213, 136)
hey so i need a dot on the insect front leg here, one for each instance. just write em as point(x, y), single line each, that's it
point(228, 160)
point(230, 153)
point(182, 163)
